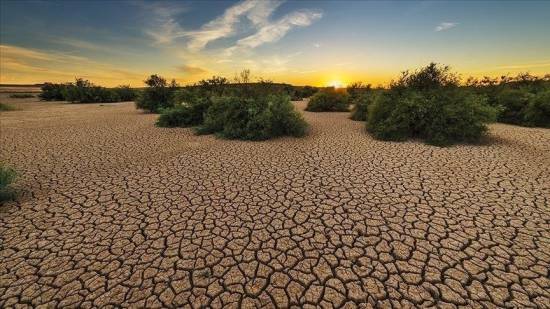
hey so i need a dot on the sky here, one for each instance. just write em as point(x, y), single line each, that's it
point(299, 42)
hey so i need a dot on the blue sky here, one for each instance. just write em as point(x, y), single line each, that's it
point(301, 42)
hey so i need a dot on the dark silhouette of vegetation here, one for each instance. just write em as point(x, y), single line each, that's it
point(21, 95)
point(329, 100)
point(299, 93)
point(124, 93)
point(53, 92)
point(83, 91)
point(429, 104)
point(158, 95)
point(356, 90)
point(7, 176)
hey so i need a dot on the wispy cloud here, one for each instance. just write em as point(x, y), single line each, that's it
point(257, 13)
point(222, 26)
point(166, 27)
point(274, 31)
point(445, 26)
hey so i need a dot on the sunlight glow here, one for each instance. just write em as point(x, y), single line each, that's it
point(336, 84)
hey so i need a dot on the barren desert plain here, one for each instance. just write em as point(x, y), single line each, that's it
point(114, 211)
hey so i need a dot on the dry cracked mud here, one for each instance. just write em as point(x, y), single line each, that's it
point(117, 212)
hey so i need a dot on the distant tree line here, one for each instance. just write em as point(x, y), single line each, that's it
point(83, 91)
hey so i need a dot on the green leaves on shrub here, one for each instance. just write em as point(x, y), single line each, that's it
point(537, 112)
point(187, 114)
point(83, 91)
point(329, 100)
point(157, 96)
point(7, 176)
point(124, 93)
point(513, 103)
point(429, 105)
point(520, 99)
point(53, 92)
point(300, 93)
point(359, 111)
point(244, 118)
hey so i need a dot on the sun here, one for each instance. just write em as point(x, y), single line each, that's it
point(336, 84)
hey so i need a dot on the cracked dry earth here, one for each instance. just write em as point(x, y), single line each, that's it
point(117, 212)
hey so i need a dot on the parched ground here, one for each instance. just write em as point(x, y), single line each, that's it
point(115, 211)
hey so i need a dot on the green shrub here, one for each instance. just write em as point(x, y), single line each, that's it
point(184, 115)
point(158, 94)
point(359, 111)
point(216, 85)
point(124, 93)
point(245, 118)
point(21, 95)
point(328, 100)
point(514, 97)
point(428, 104)
point(83, 91)
point(356, 90)
point(299, 93)
point(513, 103)
point(52, 92)
point(537, 112)
point(7, 176)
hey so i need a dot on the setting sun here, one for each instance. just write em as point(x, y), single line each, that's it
point(336, 84)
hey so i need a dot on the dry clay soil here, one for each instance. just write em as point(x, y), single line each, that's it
point(115, 211)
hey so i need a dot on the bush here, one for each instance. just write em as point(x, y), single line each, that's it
point(356, 90)
point(300, 93)
point(537, 112)
point(7, 176)
point(514, 97)
point(52, 92)
point(428, 104)
point(21, 96)
point(83, 91)
point(253, 118)
point(328, 100)
point(157, 96)
point(124, 93)
point(359, 111)
point(184, 115)
point(512, 103)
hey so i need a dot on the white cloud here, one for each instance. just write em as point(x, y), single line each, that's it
point(445, 26)
point(317, 45)
point(257, 12)
point(274, 31)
